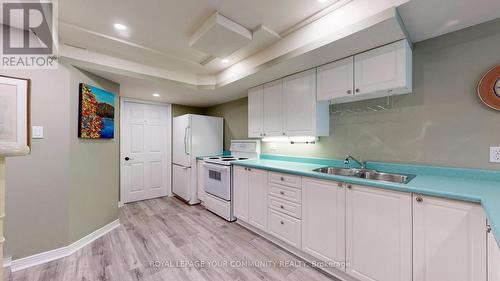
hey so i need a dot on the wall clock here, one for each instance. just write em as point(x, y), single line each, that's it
point(489, 88)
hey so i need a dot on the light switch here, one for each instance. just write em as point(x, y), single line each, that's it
point(37, 132)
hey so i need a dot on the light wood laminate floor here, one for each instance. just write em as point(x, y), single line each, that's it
point(161, 239)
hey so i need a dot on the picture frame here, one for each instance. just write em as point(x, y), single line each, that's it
point(15, 135)
point(96, 112)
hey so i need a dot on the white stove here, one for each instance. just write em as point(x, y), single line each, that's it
point(217, 181)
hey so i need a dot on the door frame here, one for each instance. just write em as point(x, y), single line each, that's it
point(167, 158)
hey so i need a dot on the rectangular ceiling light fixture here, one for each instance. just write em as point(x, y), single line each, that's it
point(219, 36)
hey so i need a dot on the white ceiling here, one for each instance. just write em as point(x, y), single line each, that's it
point(159, 30)
point(426, 19)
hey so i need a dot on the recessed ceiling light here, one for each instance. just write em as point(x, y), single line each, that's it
point(156, 95)
point(224, 60)
point(120, 26)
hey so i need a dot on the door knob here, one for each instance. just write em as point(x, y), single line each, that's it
point(127, 158)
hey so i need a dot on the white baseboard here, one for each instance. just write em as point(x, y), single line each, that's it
point(62, 252)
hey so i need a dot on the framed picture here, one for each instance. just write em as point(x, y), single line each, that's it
point(14, 115)
point(96, 113)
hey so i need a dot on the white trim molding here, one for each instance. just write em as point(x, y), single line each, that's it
point(62, 252)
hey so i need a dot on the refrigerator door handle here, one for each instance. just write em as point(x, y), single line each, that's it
point(185, 140)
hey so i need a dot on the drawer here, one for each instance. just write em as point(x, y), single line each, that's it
point(285, 207)
point(285, 179)
point(285, 192)
point(285, 228)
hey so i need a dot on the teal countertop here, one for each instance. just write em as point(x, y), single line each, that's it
point(479, 186)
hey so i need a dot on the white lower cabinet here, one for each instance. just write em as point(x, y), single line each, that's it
point(257, 198)
point(449, 240)
point(493, 258)
point(285, 228)
point(250, 196)
point(323, 220)
point(379, 234)
point(240, 193)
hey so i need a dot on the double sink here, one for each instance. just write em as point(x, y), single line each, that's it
point(366, 174)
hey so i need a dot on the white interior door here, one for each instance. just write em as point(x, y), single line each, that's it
point(145, 151)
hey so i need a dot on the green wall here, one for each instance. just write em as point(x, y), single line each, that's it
point(441, 123)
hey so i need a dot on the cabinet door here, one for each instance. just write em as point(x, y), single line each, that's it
point(336, 79)
point(255, 107)
point(493, 259)
point(379, 234)
point(299, 104)
point(240, 193)
point(449, 240)
point(272, 113)
point(323, 220)
point(257, 194)
point(383, 69)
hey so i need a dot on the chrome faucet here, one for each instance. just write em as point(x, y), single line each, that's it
point(361, 163)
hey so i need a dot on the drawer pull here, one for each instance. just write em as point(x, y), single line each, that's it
point(419, 199)
point(339, 184)
point(282, 192)
point(282, 178)
point(282, 222)
point(282, 207)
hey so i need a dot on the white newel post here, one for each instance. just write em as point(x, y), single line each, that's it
point(14, 134)
point(2, 209)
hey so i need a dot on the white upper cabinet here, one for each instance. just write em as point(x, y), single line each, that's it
point(449, 240)
point(323, 220)
point(302, 114)
point(378, 234)
point(493, 259)
point(336, 79)
point(273, 109)
point(255, 110)
point(384, 71)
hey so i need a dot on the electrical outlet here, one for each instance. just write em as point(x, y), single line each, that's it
point(495, 154)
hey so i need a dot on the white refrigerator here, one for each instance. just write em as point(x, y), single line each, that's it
point(193, 136)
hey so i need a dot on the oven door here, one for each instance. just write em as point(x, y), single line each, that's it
point(217, 180)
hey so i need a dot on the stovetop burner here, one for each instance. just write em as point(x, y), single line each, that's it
point(229, 159)
point(213, 158)
point(242, 158)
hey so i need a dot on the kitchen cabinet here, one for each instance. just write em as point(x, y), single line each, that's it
point(257, 195)
point(336, 79)
point(255, 111)
point(449, 240)
point(379, 234)
point(323, 220)
point(302, 114)
point(240, 193)
point(272, 114)
point(493, 258)
point(250, 196)
point(384, 71)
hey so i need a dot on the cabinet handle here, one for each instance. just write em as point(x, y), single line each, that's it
point(249, 169)
point(282, 193)
point(339, 184)
point(358, 90)
point(419, 199)
point(282, 222)
point(282, 207)
point(264, 134)
point(488, 228)
point(284, 134)
point(349, 92)
point(349, 186)
point(282, 178)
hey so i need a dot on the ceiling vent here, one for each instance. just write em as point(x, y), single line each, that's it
point(219, 36)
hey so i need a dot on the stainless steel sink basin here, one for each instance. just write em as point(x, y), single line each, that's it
point(379, 176)
point(338, 171)
point(366, 174)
